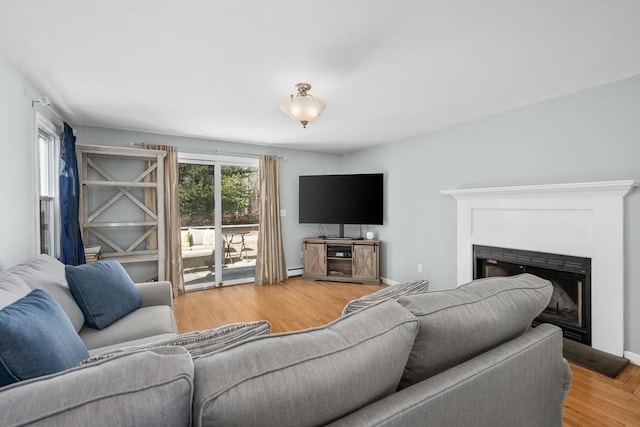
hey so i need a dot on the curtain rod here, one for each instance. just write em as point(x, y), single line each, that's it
point(231, 153)
point(44, 101)
point(221, 152)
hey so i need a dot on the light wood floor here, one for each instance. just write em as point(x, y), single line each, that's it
point(291, 305)
point(594, 400)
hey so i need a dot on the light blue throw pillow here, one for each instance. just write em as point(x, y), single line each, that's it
point(37, 338)
point(104, 291)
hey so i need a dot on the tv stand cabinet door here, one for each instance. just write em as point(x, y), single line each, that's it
point(315, 260)
point(365, 262)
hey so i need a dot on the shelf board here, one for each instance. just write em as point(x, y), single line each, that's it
point(127, 257)
point(120, 224)
point(129, 184)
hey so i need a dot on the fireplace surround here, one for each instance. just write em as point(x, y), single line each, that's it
point(579, 219)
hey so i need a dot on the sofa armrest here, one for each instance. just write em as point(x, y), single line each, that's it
point(156, 293)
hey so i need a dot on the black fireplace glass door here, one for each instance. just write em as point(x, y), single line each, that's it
point(569, 306)
point(566, 302)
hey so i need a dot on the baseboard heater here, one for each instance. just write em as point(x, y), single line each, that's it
point(296, 271)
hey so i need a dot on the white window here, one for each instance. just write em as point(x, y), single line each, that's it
point(48, 149)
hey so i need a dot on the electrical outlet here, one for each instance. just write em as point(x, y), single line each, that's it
point(301, 254)
point(419, 268)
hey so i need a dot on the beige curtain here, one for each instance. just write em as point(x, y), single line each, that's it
point(270, 265)
point(172, 250)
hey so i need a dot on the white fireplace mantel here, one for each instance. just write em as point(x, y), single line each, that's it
point(583, 189)
point(579, 219)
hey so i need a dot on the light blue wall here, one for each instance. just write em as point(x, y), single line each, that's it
point(18, 214)
point(297, 163)
point(593, 135)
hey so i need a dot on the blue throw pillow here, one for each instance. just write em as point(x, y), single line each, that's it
point(37, 338)
point(104, 291)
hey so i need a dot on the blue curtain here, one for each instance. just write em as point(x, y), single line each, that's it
point(71, 247)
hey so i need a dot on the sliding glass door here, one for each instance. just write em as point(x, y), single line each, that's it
point(219, 208)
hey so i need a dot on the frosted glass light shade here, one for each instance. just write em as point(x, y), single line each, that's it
point(303, 109)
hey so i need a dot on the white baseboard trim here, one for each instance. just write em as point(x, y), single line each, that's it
point(299, 271)
point(633, 357)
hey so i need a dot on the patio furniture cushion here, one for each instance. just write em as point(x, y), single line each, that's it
point(393, 292)
point(37, 339)
point(197, 252)
point(209, 237)
point(197, 236)
point(458, 324)
point(185, 238)
point(104, 291)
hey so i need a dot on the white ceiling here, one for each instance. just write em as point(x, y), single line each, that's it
point(388, 70)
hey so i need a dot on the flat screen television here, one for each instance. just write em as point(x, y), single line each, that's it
point(341, 199)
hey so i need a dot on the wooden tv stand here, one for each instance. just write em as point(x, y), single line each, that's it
point(342, 260)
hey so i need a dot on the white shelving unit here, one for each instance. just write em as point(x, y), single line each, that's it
point(113, 184)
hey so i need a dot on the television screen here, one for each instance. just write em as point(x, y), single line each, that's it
point(341, 199)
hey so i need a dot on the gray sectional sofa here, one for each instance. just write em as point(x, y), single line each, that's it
point(151, 322)
point(462, 357)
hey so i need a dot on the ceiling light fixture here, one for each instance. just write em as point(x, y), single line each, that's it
point(303, 108)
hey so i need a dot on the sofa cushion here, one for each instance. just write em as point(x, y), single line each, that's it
point(458, 324)
point(199, 343)
point(47, 273)
point(307, 377)
point(150, 388)
point(12, 288)
point(520, 383)
point(104, 291)
point(144, 323)
point(37, 338)
point(393, 292)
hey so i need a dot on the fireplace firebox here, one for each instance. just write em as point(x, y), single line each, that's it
point(570, 305)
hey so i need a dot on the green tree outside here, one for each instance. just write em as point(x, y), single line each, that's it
point(239, 188)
